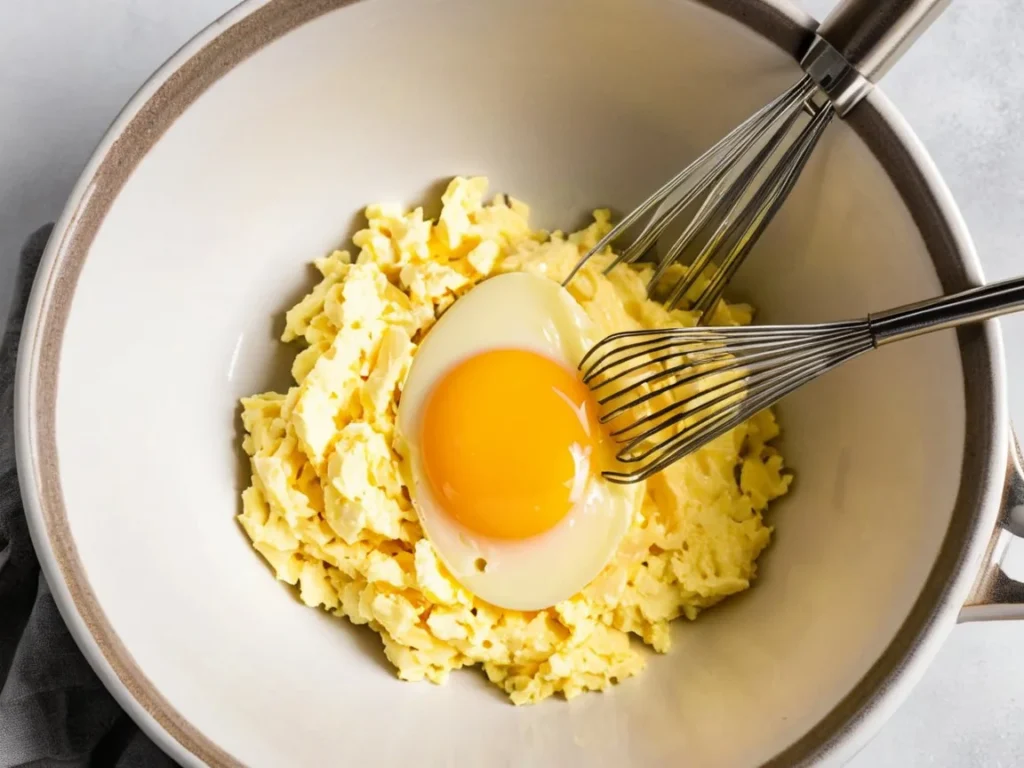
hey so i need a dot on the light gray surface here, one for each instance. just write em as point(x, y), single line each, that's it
point(67, 66)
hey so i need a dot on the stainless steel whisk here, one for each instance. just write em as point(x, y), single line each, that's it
point(745, 178)
point(713, 379)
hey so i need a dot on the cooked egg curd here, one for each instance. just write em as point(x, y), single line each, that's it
point(364, 498)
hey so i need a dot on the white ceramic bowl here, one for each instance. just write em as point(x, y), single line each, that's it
point(252, 151)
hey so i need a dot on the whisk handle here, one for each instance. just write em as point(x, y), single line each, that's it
point(872, 34)
point(969, 306)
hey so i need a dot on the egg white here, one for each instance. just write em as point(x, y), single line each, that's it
point(521, 311)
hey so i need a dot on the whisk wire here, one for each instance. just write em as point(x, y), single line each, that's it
point(722, 377)
point(731, 193)
point(717, 424)
point(785, 109)
point(727, 194)
point(733, 210)
point(759, 392)
point(752, 367)
point(697, 341)
point(707, 171)
point(755, 216)
point(764, 358)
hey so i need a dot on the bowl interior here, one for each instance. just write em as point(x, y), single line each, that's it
point(568, 105)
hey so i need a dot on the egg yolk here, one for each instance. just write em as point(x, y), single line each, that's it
point(508, 440)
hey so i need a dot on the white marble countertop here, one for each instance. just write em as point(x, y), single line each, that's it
point(67, 66)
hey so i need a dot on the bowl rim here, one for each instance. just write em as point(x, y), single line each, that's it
point(245, 30)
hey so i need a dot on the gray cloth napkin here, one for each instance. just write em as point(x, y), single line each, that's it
point(53, 709)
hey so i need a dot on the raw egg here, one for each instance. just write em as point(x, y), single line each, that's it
point(503, 450)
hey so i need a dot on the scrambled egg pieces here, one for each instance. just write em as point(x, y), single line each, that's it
point(328, 509)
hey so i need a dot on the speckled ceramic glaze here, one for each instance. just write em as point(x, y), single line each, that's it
point(252, 151)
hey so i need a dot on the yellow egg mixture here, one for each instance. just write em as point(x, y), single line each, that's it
point(330, 512)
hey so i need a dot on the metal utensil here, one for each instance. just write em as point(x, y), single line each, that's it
point(744, 179)
point(712, 379)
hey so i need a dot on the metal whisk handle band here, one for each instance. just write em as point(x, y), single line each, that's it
point(873, 34)
point(969, 306)
point(860, 40)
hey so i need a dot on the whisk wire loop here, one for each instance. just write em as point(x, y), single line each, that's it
point(741, 182)
point(700, 368)
point(713, 380)
point(753, 217)
point(716, 378)
point(750, 366)
point(698, 176)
